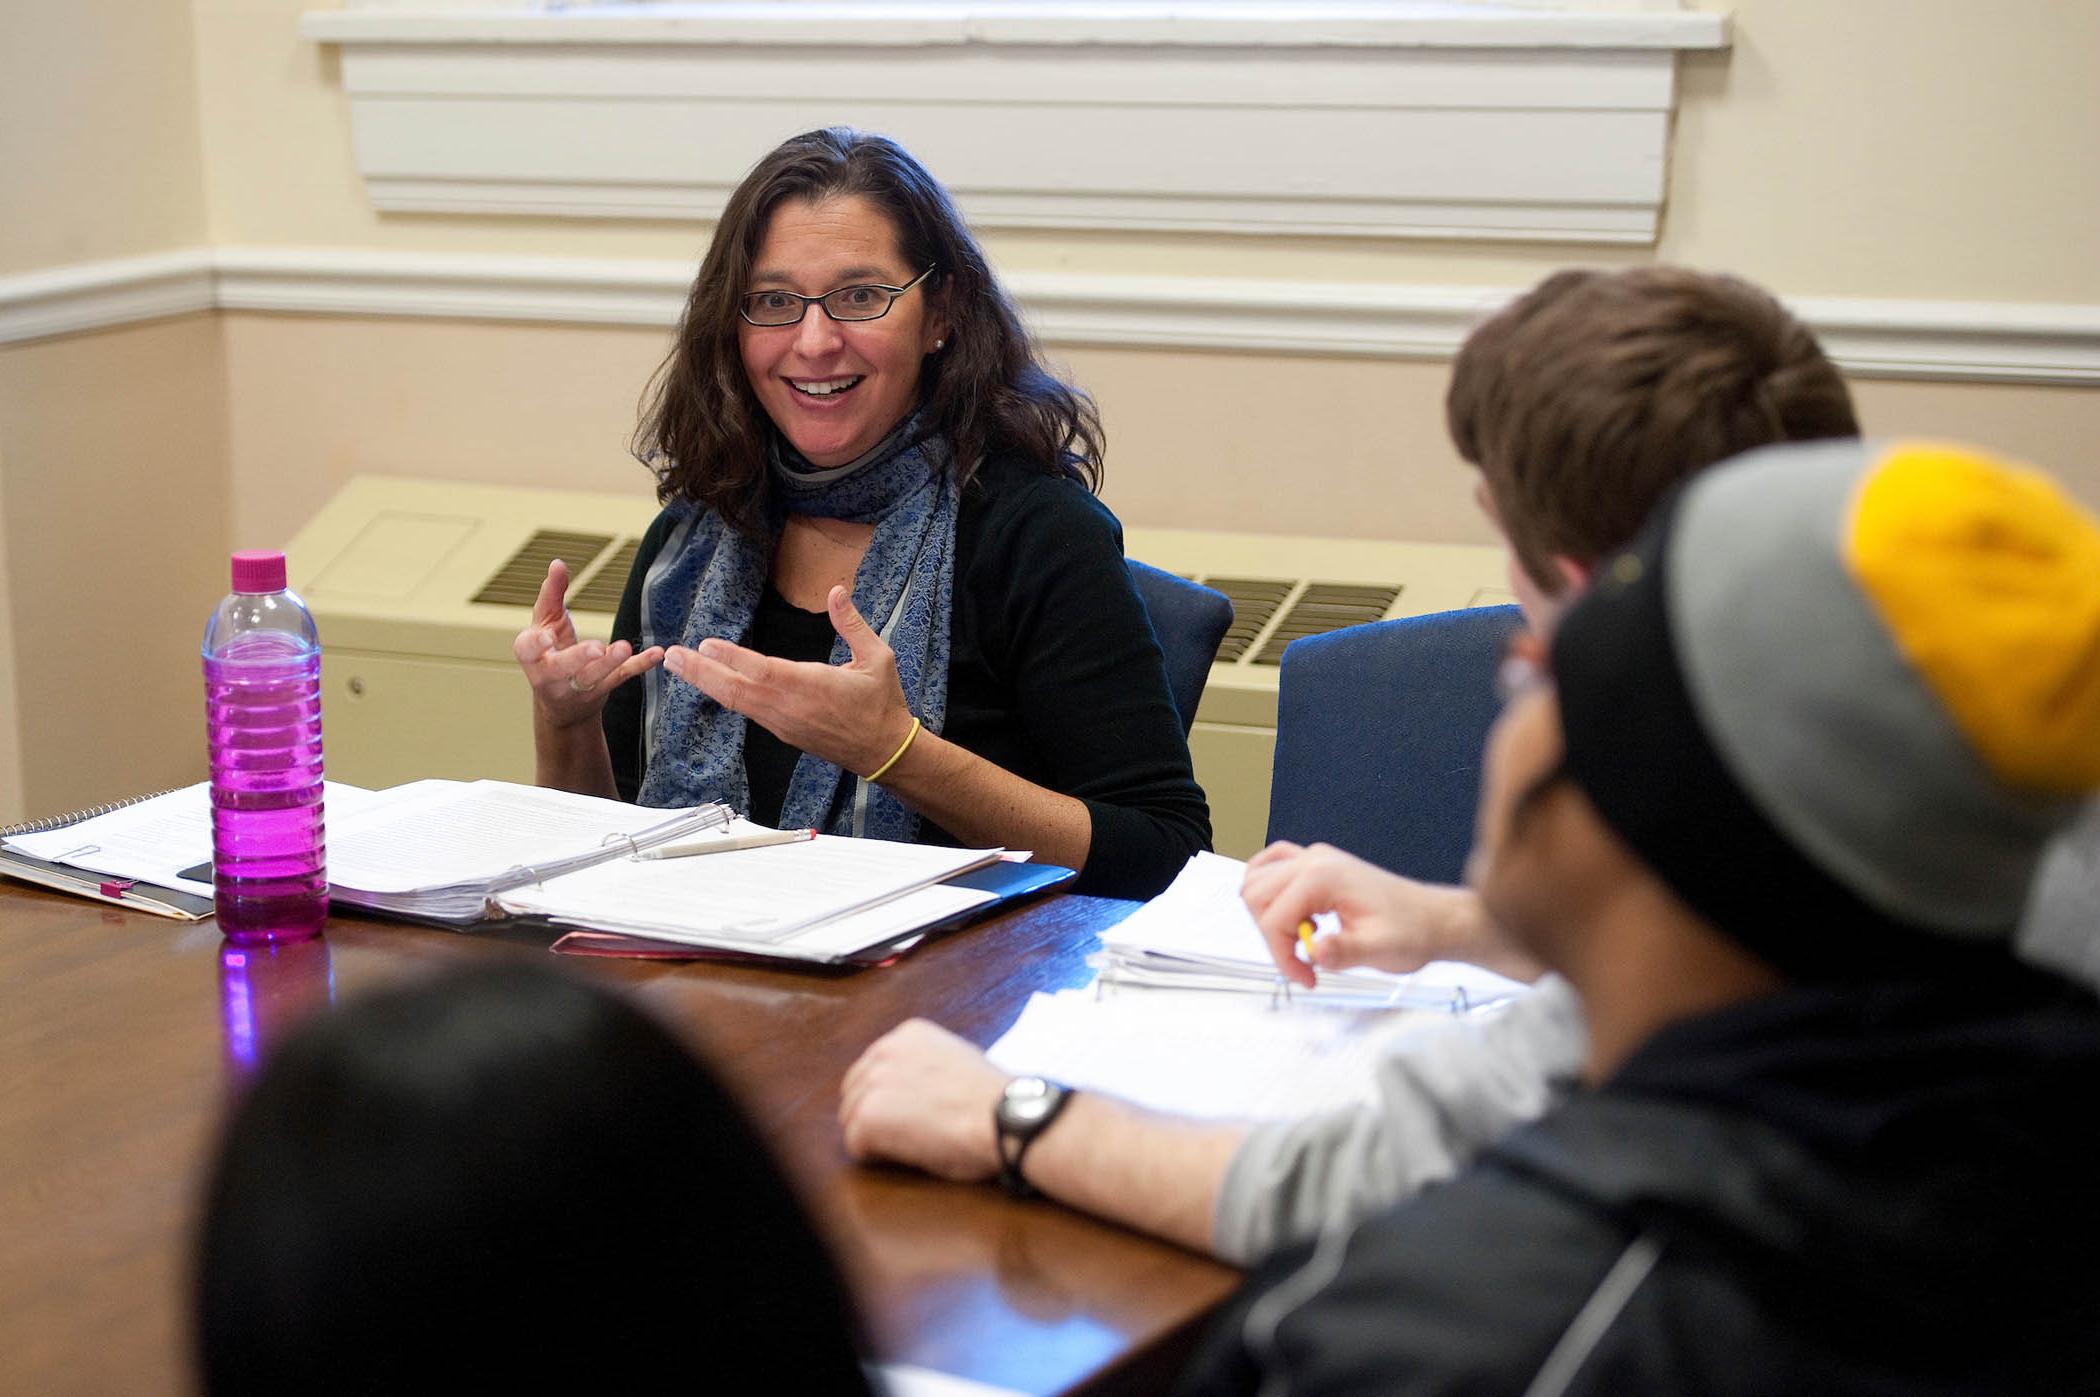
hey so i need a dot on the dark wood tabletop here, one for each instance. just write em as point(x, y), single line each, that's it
point(121, 1035)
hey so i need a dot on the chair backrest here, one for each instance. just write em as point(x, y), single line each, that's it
point(1379, 730)
point(1189, 619)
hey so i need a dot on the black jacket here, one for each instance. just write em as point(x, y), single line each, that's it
point(1053, 674)
point(1891, 1190)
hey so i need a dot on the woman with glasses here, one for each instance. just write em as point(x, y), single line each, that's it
point(881, 598)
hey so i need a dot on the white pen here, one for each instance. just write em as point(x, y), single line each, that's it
point(726, 846)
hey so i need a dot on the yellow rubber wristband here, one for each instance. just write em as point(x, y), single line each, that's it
point(905, 746)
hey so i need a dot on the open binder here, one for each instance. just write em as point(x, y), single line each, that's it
point(465, 854)
point(456, 852)
point(470, 854)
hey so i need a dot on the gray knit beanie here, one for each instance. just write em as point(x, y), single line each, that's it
point(1842, 694)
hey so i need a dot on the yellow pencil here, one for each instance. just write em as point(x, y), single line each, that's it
point(1305, 931)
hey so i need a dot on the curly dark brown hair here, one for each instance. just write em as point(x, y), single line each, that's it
point(703, 431)
point(1585, 400)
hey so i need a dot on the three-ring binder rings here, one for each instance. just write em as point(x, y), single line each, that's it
point(461, 854)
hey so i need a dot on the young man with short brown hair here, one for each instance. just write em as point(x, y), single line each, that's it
point(1578, 392)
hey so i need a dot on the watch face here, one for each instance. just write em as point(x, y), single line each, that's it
point(1026, 1102)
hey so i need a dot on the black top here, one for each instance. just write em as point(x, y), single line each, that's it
point(1053, 674)
point(1832, 1189)
point(784, 630)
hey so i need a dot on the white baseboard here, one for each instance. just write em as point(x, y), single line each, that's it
point(1960, 340)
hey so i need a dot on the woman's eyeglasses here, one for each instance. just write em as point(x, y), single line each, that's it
point(846, 304)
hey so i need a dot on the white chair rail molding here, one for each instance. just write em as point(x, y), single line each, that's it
point(1972, 341)
point(1385, 118)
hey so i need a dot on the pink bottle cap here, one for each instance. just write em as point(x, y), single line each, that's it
point(258, 572)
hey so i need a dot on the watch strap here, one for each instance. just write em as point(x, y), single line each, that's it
point(1014, 1143)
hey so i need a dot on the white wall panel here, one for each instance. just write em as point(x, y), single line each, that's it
point(1534, 127)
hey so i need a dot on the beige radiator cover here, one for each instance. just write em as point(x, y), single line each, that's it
point(418, 681)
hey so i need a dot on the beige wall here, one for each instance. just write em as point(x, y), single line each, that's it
point(112, 446)
point(1195, 440)
point(317, 399)
point(1906, 148)
point(1380, 465)
point(99, 149)
point(11, 806)
point(115, 508)
point(1923, 149)
point(1938, 149)
point(2054, 428)
point(1927, 149)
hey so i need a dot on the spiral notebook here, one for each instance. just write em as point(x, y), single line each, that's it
point(41, 852)
point(141, 852)
point(433, 850)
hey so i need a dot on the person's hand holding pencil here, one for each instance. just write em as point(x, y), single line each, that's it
point(1382, 921)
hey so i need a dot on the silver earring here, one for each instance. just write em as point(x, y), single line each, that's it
point(939, 345)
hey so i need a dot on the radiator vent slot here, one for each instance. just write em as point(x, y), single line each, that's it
point(602, 591)
point(517, 582)
point(1324, 607)
point(1254, 602)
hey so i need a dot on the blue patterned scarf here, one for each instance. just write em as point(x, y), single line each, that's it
point(709, 578)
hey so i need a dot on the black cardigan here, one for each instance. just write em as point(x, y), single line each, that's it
point(1053, 674)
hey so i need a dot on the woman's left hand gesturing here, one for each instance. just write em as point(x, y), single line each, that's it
point(852, 715)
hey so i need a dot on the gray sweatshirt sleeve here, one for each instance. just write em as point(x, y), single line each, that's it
point(1441, 1097)
point(2062, 926)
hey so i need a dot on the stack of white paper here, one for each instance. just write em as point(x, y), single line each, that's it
point(816, 899)
point(1214, 1056)
point(1198, 934)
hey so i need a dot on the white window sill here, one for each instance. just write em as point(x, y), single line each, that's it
point(1298, 24)
point(1375, 118)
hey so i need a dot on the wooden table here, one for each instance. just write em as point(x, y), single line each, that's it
point(120, 1034)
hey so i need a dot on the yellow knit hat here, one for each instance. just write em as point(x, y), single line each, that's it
point(1843, 686)
point(1988, 580)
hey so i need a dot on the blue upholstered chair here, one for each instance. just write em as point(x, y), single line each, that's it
point(1379, 731)
point(1189, 619)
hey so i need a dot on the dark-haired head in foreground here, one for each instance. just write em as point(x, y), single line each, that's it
point(506, 1180)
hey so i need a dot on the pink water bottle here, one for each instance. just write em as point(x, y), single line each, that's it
point(262, 708)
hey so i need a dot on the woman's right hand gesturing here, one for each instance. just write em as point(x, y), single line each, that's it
point(570, 678)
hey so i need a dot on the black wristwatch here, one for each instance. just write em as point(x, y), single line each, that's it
point(1025, 1110)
